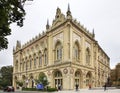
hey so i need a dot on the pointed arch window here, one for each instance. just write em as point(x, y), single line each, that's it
point(35, 61)
point(76, 51)
point(40, 59)
point(58, 51)
point(16, 66)
point(58, 74)
point(45, 57)
point(88, 56)
point(88, 78)
point(30, 63)
point(23, 66)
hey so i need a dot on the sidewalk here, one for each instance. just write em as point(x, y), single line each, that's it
point(90, 91)
point(79, 91)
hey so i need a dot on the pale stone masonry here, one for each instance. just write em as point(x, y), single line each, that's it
point(66, 52)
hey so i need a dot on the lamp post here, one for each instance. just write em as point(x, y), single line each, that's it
point(32, 83)
point(26, 82)
point(0, 75)
point(44, 81)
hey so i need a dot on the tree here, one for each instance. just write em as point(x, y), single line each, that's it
point(42, 79)
point(20, 83)
point(6, 75)
point(11, 11)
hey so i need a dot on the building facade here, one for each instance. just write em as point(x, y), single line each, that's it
point(66, 52)
point(115, 75)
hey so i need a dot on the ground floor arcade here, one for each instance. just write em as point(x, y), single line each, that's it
point(63, 75)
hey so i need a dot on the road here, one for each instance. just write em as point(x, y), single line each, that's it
point(72, 91)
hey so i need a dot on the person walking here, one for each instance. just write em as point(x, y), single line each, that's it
point(56, 86)
point(105, 87)
point(76, 86)
point(89, 86)
point(59, 87)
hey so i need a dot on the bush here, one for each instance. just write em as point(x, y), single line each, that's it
point(29, 89)
point(20, 83)
point(34, 89)
point(51, 89)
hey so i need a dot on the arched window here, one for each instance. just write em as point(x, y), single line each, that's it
point(88, 78)
point(76, 51)
point(16, 66)
point(40, 59)
point(20, 67)
point(30, 63)
point(35, 61)
point(23, 65)
point(26, 65)
point(58, 51)
point(45, 57)
point(77, 74)
point(88, 56)
point(58, 74)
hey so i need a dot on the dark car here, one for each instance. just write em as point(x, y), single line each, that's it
point(9, 89)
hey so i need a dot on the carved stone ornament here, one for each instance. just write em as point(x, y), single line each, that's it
point(71, 71)
point(65, 71)
point(49, 73)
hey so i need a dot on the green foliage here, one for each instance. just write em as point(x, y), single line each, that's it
point(42, 79)
point(29, 89)
point(6, 75)
point(51, 89)
point(20, 83)
point(34, 89)
point(11, 11)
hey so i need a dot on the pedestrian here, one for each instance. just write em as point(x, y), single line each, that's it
point(89, 86)
point(59, 87)
point(105, 87)
point(76, 86)
point(56, 86)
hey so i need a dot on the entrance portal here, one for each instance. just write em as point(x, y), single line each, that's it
point(58, 79)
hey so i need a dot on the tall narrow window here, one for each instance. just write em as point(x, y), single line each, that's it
point(26, 65)
point(34, 62)
point(76, 51)
point(30, 63)
point(16, 66)
point(88, 56)
point(45, 57)
point(20, 66)
point(40, 59)
point(58, 51)
point(23, 66)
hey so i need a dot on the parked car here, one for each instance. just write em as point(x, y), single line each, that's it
point(9, 89)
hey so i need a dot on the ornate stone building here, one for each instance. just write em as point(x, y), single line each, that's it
point(115, 75)
point(66, 52)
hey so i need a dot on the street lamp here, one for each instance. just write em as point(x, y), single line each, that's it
point(44, 78)
point(26, 82)
point(44, 81)
point(32, 83)
point(0, 75)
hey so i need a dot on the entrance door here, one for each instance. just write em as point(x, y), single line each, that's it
point(77, 78)
point(77, 81)
point(57, 82)
point(58, 79)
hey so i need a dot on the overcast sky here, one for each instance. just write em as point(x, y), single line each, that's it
point(102, 15)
